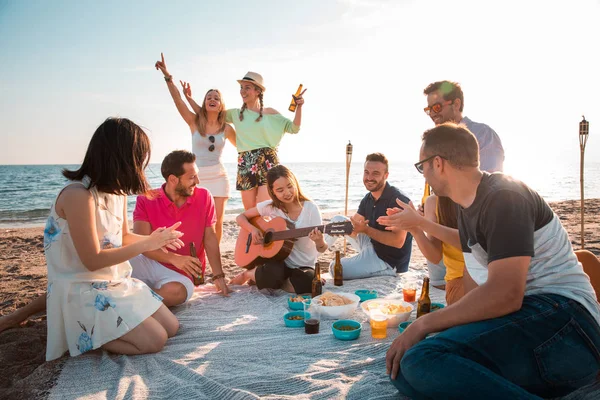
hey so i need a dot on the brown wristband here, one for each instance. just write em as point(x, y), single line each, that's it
point(168, 78)
point(217, 276)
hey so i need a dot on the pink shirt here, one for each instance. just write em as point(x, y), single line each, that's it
point(196, 214)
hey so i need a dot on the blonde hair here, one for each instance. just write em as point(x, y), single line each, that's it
point(260, 98)
point(203, 115)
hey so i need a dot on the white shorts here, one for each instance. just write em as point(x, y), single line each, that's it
point(214, 179)
point(155, 275)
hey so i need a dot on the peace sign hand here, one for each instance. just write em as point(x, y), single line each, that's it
point(187, 89)
point(298, 99)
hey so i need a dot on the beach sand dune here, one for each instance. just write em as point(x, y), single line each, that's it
point(23, 372)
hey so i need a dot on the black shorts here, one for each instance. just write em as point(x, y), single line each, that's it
point(273, 274)
point(253, 166)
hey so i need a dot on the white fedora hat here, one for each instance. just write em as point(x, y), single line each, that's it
point(254, 78)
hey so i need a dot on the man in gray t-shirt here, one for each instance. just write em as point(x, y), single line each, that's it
point(532, 328)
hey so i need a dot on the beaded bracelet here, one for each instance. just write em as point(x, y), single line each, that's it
point(217, 276)
point(168, 78)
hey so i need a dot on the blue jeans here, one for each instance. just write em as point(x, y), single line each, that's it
point(548, 348)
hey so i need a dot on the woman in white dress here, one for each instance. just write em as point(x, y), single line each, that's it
point(209, 133)
point(92, 301)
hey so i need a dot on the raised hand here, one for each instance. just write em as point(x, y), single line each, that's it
point(298, 99)
point(162, 65)
point(187, 89)
point(165, 238)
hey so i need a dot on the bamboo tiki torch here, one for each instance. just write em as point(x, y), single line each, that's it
point(584, 130)
point(348, 162)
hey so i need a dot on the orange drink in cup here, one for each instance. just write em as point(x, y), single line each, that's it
point(378, 324)
point(410, 294)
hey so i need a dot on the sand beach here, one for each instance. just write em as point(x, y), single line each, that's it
point(23, 372)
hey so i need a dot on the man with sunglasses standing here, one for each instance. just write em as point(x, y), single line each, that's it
point(445, 103)
point(179, 199)
point(530, 329)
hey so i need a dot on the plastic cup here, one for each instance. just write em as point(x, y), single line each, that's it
point(312, 307)
point(409, 291)
point(378, 324)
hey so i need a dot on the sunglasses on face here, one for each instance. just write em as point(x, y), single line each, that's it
point(212, 140)
point(419, 165)
point(437, 107)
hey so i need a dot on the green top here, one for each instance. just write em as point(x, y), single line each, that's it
point(252, 135)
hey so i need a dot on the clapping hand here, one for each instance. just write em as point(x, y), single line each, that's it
point(165, 238)
point(403, 219)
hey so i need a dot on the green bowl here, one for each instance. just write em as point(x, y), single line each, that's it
point(403, 326)
point(295, 323)
point(346, 335)
point(366, 294)
point(297, 305)
point(436, 306)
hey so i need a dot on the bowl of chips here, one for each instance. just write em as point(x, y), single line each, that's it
point(295, 302)
point(397, 311)
point(338, 305)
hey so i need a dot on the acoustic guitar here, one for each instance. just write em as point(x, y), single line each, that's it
point(278, 240)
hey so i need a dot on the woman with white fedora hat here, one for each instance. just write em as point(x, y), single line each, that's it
point(259, 132)
point(209, 134)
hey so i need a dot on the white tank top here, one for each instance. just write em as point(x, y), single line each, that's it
point(201, 146)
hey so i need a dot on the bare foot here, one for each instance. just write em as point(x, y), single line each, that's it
point(239, 279)
point(8, 322)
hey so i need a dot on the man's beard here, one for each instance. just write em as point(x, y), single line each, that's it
point(378, 186)
point(182, 191)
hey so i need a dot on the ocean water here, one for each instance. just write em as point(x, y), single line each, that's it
point(27, 191)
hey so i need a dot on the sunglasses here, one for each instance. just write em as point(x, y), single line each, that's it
point(437, 107)
point(212, 146)
point(419, 165)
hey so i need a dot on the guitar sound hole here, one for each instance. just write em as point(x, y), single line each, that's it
point(268, 238)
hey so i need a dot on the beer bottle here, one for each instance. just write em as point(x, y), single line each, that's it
point(292, 106)
point(424, 304)
point(317, 286)
point(198, 279)
point(338, 273)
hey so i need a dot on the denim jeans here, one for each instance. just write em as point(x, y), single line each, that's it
point(548, 348)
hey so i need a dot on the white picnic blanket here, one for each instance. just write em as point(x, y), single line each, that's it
point(239, 348)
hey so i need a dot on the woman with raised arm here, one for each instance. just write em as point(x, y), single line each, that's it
point(259, 132)
point(209, 133)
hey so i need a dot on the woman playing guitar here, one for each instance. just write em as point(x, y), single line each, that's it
point(296, 272)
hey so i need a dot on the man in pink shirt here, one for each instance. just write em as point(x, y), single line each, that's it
point(170, 273)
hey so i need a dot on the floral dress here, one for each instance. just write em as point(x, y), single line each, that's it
point(87, 309)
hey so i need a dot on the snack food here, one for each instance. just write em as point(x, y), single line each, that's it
point(332, 299)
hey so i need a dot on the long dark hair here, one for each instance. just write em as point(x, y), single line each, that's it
point(447, 212)
point(279, 171)
point(115, 159)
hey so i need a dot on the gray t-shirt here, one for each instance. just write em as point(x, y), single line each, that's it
point(491, 152)
point(508, 219)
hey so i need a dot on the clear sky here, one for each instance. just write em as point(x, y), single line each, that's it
point(528, 69)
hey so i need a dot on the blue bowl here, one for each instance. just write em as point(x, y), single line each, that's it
point(403, 326)
point(436, 306)
point(297, 305)
point(346, 335)
point(366, 294)
point(295, 323)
